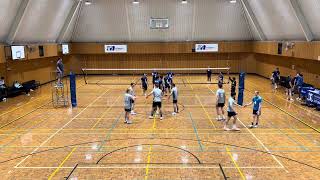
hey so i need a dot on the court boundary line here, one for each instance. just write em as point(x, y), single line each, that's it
point(61, 164)
point(291, 115)
point(213, 142)
point(151, 167)
point(50, 137)
point(235, 163)
point(262, 144)
point(195, 132)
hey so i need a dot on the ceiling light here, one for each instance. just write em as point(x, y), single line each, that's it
point(184, 1)
point(135, 2)
point(233, 1)
point(87, 3)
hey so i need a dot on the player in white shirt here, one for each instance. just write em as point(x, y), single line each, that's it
point(132, 92)
point(174, 94)
point(157, 101)
point(220, 102)
point(128, 98)
point(231, 113)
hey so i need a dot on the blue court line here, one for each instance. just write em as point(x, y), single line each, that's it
point(114, 124)
point(290, 138)
point(196, 132)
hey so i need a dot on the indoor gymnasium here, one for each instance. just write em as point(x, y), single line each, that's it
point(159, 89)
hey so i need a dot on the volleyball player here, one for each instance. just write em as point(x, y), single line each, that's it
point(128, 99)
point(233, 86)
point(166, 86)
point(231, 113)
point(144, 83)
point(220, 78)
point(209, 74)
point(154, 77)
point(60, 72)
point(298, 84)
point(289, 87)
point(157, 101)
point(132, 93)
point(257, 102)
point(174, 94)
point(275, 78)
point(220, 102)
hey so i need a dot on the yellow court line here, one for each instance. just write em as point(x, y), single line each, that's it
point(235, 163)
point(206, 112)
point(148, 163)
point(99, 120)
point(146, 129)
point(61, 164)
point(150, 150)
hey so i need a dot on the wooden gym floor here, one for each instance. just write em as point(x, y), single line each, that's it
point(38, 141)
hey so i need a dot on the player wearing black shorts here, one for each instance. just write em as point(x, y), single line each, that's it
point(220, 102)
point(128, 99)
point(209, 74)
point(231, 113)
point(233, 86)
point(157, 101)
point(174, 94)
point(144, 83)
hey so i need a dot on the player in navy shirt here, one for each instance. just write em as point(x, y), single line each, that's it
point(144, 83)
point(257, 102)
point(209, 73)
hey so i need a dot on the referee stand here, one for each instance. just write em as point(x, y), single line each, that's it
point(60, 92)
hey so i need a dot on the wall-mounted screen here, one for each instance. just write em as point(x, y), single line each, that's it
point(65, 49)
point(207, 48)
point(17, 52)
point(115, 48)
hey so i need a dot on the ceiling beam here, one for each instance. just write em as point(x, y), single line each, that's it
point(77, 19)
point(67, 24)
point(302, 21)
point(17, 21)
point(253, 19)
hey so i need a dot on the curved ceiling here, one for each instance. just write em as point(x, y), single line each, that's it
point(38, 21)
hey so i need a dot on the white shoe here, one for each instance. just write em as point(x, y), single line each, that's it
point(133, 113)
point(255, 126)
point(129, 122)
point(161, 118)
point(4, 99)
point(28, 94)
point(150, 117)
point(173, 114)
point(226, 129)
point(251, 126)
point(31, 90)
point(234, 128)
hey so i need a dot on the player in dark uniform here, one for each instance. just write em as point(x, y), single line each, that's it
point(209, 74)
point(144, 83)
point(154, 77)
point(220, 78)
point(233, 86)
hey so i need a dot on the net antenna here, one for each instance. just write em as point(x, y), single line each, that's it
point(101, 76)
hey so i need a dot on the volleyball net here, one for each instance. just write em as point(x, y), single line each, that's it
point(127, 76)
